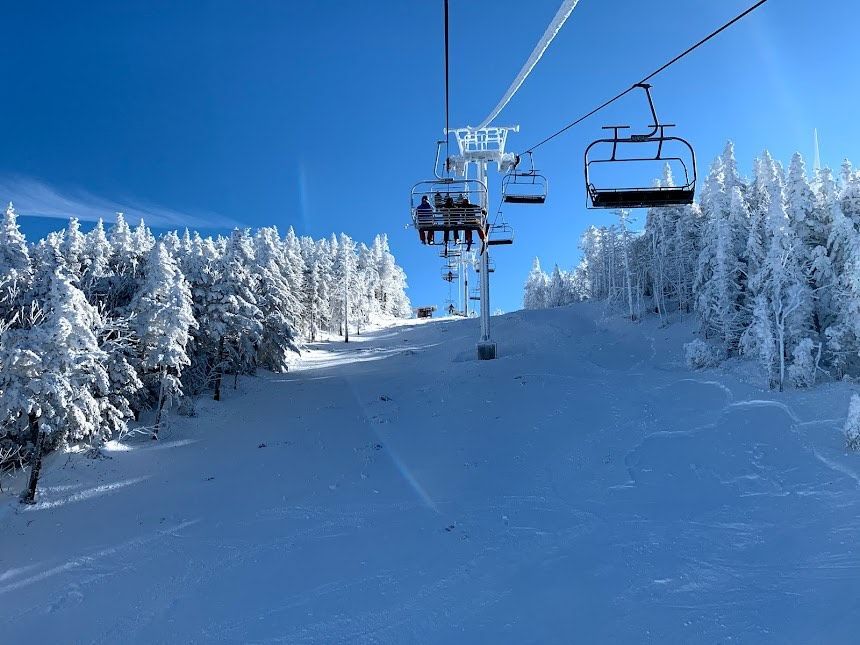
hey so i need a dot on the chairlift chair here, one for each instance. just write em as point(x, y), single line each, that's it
point(450, 273)
point(524, 186)
point(491, 266)
point(639, 196)
point(454, 205)
point(500, 234)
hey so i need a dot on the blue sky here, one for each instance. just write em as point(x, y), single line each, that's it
point(322, 114)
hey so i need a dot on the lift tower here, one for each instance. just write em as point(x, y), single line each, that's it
point(480, 147)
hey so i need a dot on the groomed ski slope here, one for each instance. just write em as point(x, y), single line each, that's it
point(584, 487)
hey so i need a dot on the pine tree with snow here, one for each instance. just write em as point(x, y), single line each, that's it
point(849, 193)
point(124, 256)
point(71, 376)
point(843, 332)
point(392, 281)
point(16, 271)
point(164, 318)
point(625, 238)
point(804, 365)
point(73, 247)
point(852, 424)
point(344, 285)
point(780, 283)
point(232, 314)
point(277, 302)
point(96, 266)
point(557, 290)
point(46, 257)
point(124, 397)
point(536, 290)
point(758, 340)
point(293, 271)
point(144, 240)
point(367, 280)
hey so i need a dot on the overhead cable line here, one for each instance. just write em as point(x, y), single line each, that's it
point(651, 75)
point(447, 111)
point(552, 29)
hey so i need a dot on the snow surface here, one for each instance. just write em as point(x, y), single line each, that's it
point(584, 487)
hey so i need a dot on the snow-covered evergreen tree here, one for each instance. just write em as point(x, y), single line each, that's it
point(232, 314)
point(164, 318)
point(536, 288)
point(277, 303)
point(16, 271)
point(73, 247)
point(96, 257)
point(852, 424)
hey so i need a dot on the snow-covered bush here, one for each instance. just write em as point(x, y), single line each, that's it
point(852, 424)
point(699, 355)
point(804, 365)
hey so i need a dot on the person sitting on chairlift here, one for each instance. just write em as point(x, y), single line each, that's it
point(424, 215)
point(449, 205)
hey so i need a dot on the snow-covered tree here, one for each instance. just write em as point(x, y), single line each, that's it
point(852, 424)
point(164, 318)
point(232, 314)
point(73, 247)
point(536, 288)
point(278, 304)
point(68, 378)
point(96, 257)
point(16, 271)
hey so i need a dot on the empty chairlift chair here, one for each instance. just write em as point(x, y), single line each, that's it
point(682, 157)
point(500, 234)
point(524, 186)
point(491, 266)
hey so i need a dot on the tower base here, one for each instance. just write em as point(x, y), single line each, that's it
point(486, 351)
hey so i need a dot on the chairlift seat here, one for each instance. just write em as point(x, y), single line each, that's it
point(524, 199)
point(641, 197)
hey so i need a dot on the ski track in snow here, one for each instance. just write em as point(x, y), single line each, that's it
point(397, 490)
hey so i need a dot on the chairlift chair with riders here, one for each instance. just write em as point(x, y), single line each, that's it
point(448, 205)
point(601, 196)
point(524, 186)
point(450, 273)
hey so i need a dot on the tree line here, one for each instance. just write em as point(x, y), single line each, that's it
point(98, 327)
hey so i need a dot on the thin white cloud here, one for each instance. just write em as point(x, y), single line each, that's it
point(34, 197)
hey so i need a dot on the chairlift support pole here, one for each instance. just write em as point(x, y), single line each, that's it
point(464, 271)
point(486, 346)
point(346, 306)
